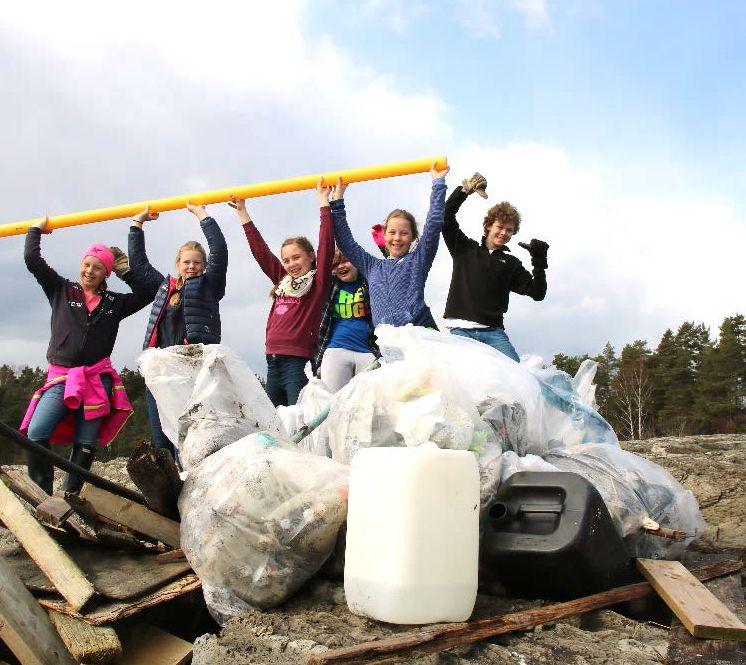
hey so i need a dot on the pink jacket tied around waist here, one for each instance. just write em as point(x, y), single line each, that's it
point(83, 388)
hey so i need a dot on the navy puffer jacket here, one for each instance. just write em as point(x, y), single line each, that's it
point(201, 294)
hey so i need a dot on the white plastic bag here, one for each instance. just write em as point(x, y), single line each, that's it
point(313, 399)
point(552, 413)
point(633, 489)
point(512, 463)
point(258, 519)
point(207, 398)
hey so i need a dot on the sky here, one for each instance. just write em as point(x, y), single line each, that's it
point(616, 128)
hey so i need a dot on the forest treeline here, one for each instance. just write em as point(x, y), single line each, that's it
point(689, 384)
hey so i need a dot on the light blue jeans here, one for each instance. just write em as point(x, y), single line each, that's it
point(497, 338)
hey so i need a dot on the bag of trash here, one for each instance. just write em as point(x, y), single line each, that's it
point(511, 463)
point(207, 398)
point(409, 403)
point(258, 519)
point(541, 411)
point(291, 417)
point(634, 489)
point(312, 400)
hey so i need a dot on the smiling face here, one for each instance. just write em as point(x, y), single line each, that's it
point(345, 271)
point(499, 234)
point(399, 236)
point(191, 263)
point(92, 273)
point(296, 261)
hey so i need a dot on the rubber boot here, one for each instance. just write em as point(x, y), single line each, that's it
point(82, 456)
point(40, 469)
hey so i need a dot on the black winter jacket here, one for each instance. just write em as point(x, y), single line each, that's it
point(78, 337)
point(201, 295)
point(481, 281)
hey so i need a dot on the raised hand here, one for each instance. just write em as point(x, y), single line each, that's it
point(477, 183)
point(339, 190)
point(538, 250)
point(435, 173)
point(239, 205)
point(197, 210)
point(121, 262)
point(42, 225)
point(144, 216)
point(323, 192)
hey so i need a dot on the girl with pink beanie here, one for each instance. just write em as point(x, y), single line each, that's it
point(82, 401)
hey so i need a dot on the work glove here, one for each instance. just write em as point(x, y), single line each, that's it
point(121, 262)
point(378, 236)
point(477, 183)
point(538, 250)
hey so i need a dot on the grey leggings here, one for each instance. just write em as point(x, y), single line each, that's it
point(338, 366)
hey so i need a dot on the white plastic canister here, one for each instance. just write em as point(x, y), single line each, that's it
point(412, 534)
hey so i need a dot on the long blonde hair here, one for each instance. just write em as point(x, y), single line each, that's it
point(190, 245)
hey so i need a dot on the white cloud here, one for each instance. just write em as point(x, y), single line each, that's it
point(534, 12)
point(484, 19)
point(397, 15)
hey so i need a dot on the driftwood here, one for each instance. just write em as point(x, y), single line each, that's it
point(106, 611)
point(432, 640)
point(87, 644)
point(154, 472)
point(25, 627)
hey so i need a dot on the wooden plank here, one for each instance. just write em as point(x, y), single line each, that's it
point(46, 552)
point(108, 611)
point(30, 492)
point(115, 574)
point(133, 515)
point(173, 555)
point(695, 606)
point(407, 646)
point(25, 627)
point(54, 510)
point(86, 643)
point(144, 644)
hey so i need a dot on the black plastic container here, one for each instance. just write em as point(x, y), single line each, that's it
point(550, 535)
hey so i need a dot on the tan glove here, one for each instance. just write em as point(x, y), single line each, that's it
point(477, 183)
point(121, 262)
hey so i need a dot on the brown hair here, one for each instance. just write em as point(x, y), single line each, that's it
point(338, 257)
point(504, 212)
point(302, 242)
point(406, 215)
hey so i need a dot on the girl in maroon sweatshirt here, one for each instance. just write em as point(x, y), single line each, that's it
point(302, 280)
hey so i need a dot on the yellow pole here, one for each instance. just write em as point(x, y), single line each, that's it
point(221, 195)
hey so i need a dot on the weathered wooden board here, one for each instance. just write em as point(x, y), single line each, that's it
point(25, 627)
point(144, 644)
point(87, 644)
point(133, 515)
point(46, 552)
point(697, 608)
point(115, 574)
point(107, 611)
point(54, 510)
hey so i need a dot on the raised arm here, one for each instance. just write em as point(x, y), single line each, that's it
point(38, 267)
point(325, 252)
point(268, 262)
point(141, 294)
point(427, 247)
point(142, 271)
point(528, 284)
point(453, 236)
point(217, 264)
point(346, 243)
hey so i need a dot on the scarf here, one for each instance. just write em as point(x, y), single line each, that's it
point(295, 287)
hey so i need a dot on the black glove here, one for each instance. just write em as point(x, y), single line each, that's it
point(538, 250)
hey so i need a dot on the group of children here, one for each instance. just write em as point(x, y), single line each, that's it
point(325, 306)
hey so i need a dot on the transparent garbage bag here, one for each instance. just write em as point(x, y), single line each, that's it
point(410, 403)
point(633, 489)
point(258, 519)
point(540, 408)
point(312, 400)
point(511, 463)
point(207, 398)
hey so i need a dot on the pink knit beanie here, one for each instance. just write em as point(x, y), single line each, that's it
point(103, 254)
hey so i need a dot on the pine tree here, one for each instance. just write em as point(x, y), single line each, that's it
point(607, 369)
point(720, 402)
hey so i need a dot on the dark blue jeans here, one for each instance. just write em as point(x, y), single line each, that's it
point(157, 438)
point(285, 378)
point(497, 338)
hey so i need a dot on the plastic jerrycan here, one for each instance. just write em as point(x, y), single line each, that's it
point(412, 551)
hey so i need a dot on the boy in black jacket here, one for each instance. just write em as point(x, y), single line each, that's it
point(485, 273)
